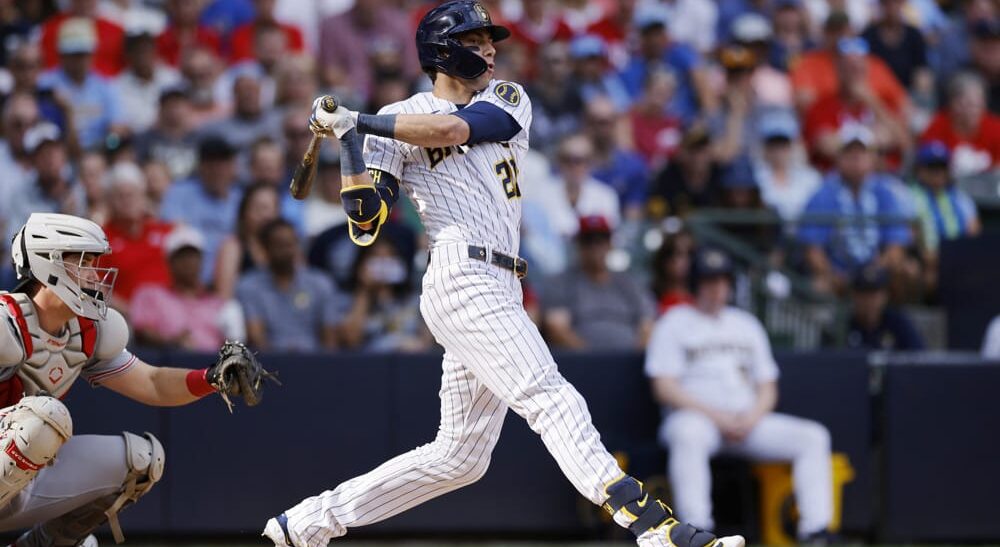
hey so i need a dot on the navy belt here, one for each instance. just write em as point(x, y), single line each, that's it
point(517, 265)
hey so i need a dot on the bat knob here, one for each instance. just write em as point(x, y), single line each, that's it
point(329, 103)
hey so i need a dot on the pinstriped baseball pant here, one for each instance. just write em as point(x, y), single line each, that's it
point(494, 358)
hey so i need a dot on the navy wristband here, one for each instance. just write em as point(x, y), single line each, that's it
point(352, 162)
point(380, 125)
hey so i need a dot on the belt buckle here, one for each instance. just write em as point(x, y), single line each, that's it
point(520, 268)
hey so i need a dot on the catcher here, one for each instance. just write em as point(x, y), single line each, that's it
point(55, 327)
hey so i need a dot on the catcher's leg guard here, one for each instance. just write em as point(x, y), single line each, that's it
point(145, 459)
point(31, 433)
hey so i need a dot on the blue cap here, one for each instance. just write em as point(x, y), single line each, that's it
point(588, 45)
point(650, 15)
point(852, 46)
point(781, 124)
point(933, 153)
point(711, 262)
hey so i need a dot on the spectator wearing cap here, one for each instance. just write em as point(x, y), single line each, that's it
point(590, 306)
point(816, 75)
point(692, 180)
point(873, 324)
point(943, 210)
point(243, 251)
point(900, 45)
point(96, 106)
point(786, 180)
point(345, 38)
point(656, 133)
point(243, 40)
point(855, 192)
point(555, 100)
point(183, 313)
point(621, 169)
point(656, 50)
point(106, 43)
point(967, 128)
point(172, 140)
point(184, 32)
point(143, 80)
point(249, 121)
point(289, 306)
point(48, 186)
point(855, 102)
point(593, 74)
point(672, 270)
point(772, 87)
point(136, 236)
point(207, 202)
point(731, 126)
point(711, 368)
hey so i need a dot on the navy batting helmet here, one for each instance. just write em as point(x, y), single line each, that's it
point(436, 44)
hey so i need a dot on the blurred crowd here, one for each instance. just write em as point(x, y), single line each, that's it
point(176, 124)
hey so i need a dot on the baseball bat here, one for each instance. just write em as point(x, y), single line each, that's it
point(305, 171)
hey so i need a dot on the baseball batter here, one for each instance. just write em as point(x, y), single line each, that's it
point(456, 151)
point(53, 329)
point(711, 365)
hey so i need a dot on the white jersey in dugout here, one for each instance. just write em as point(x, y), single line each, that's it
point(465, 194)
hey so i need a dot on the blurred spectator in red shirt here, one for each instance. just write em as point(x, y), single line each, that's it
point(136, 236)
point(671, 268)
point(243, 41)
point(348, 40)
point(967, 128)
point(855, 103)
point(815, 76)
point(540, 23)
point(655, 132)
point(615, 28)
point(183, 313)
point(185, 32)
point(109, 56)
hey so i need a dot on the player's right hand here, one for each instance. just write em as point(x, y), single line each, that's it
point(338, 122)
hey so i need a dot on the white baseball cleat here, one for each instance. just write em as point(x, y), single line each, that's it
point(276, 530)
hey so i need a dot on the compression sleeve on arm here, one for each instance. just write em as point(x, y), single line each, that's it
point(488, 123)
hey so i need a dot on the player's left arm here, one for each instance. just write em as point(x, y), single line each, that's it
point(157, 386)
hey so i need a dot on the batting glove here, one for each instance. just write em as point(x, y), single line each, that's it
point(338, 122)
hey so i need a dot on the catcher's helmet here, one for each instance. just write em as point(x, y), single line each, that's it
point(439, 50)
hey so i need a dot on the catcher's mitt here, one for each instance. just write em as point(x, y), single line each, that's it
point(238, 373)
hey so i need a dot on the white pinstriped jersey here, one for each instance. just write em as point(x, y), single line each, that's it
point(465, 194)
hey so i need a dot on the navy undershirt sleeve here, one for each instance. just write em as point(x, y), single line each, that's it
point(488, 123)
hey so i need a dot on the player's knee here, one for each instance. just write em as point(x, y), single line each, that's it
point(687, 429)
point(466, 470)
point(815, 437)
point(37, 426)
point(145, 458)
